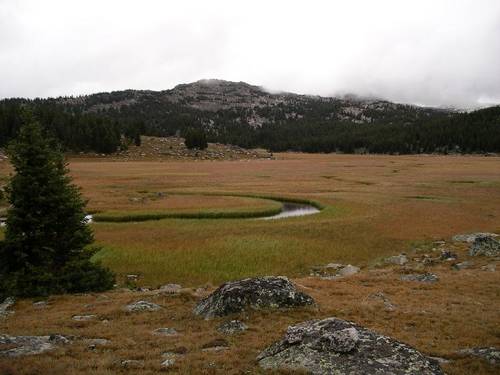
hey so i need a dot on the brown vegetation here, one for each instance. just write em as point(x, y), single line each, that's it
point(375, 206)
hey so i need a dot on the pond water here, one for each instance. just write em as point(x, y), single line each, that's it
point(293, 209)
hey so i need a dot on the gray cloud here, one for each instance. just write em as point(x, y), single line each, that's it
point(439, 52)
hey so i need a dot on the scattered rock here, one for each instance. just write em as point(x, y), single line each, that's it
point(490, 354)
point(440, 360)
point(422, 277)
point(215, 345)
point(448, 255)
point(84, 318)
point(255, 293)
point(142, 306)
point(170, 289)
point(471, 237)
point(397, 259)
point(93, 343)
point(132, 363)
point(334, 346)
point(487, 246)
point(462, 265)
point(30, 345)
point(489, 267)
point(40, 304)
point(168, 361)
point(231, 327)
point(6, 305)
point(165, 332)
point(180, 350)
point(380, 297)
point(201, 292)
point(334, 271)
point(348, 270)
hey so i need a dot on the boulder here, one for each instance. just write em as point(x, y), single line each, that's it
point(462, 265)
point(142, 306)
point(448, 255)
point(397, 259)
point(132, 364)
point(348, 270)
point(6, 305)
point(215, 345)
point(380, 298)
point(232, 327)
point(170, 289)
point(471, 237)
point(335, 346)
point(30, 345)
point(421, 277)
point(255, 293)
point(40, 304)
point(489, 267)
point(165, 332)
point(168, 361)
point(84, 318)
point(487, 246)
point(334, 271)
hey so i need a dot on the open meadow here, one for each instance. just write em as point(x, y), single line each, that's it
point(372, 207)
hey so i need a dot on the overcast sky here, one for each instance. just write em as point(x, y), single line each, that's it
point(437, 52)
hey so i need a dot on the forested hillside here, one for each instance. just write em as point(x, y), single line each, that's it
point(248, 116)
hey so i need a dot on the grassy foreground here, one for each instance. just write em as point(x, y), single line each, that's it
point(374, 206)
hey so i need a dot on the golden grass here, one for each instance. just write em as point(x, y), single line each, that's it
point(375, 205)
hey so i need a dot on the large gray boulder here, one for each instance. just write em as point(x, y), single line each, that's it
point(335, 346)
point(485, 246)
point(255, 293)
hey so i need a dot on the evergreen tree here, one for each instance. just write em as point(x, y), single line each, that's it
point(46, 236)
point(195, 138)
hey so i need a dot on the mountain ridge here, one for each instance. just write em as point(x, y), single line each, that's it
point(213, 95)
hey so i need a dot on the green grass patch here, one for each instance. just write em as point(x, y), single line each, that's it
point(207, 251)
point(121, 217)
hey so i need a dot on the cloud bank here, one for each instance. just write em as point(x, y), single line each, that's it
point(440, 52)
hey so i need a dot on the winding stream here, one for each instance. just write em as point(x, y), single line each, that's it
point(288, 209)
point(293, 209)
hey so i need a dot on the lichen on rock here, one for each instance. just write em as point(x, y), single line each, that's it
point(335, 346)
point(255, 293)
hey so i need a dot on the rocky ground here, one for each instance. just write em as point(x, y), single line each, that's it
point(173, 148)
point(431, 310)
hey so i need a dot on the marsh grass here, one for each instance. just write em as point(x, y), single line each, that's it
point(240, 213)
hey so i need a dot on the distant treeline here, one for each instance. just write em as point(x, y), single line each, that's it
point(407, 130)
point(475, 132)
point(77, 131)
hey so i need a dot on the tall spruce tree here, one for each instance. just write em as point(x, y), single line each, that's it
point(46, 239)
